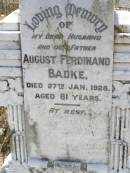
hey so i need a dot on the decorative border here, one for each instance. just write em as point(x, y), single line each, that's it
point(119, 147)
point(16, 120)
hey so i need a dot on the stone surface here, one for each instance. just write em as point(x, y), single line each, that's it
point(123, 3)
point(67, 67)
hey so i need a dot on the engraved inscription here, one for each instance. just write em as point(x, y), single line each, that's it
point(67, 65)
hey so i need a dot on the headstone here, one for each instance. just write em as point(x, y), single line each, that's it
point(67, 57)
point(123, 4)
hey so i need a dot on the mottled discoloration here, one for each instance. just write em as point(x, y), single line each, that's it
point(33, 135)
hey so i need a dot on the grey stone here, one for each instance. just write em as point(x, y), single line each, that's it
point(67, 57)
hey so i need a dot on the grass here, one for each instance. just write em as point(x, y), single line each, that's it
point(2, 17)
point(4, 135)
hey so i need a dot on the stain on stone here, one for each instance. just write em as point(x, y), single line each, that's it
point(31, 131)
point(34, 134)
point(64, 42)
point(102, 8)
point(90, 122)
point(50, 164)
point(48, 25)
point(65, 45)
point(128, 93)
point(43, 169)
point(113, 88)
point(97, 6)
point(124, 82)
point(83, 166)
point(39, 171)
point(109, 5)
point(31, 170)
point(67, 151)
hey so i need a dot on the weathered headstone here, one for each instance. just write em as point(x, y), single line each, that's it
point(122, 4)
point(67, 56)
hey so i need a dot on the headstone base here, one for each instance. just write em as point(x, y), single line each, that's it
point(43, 166)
